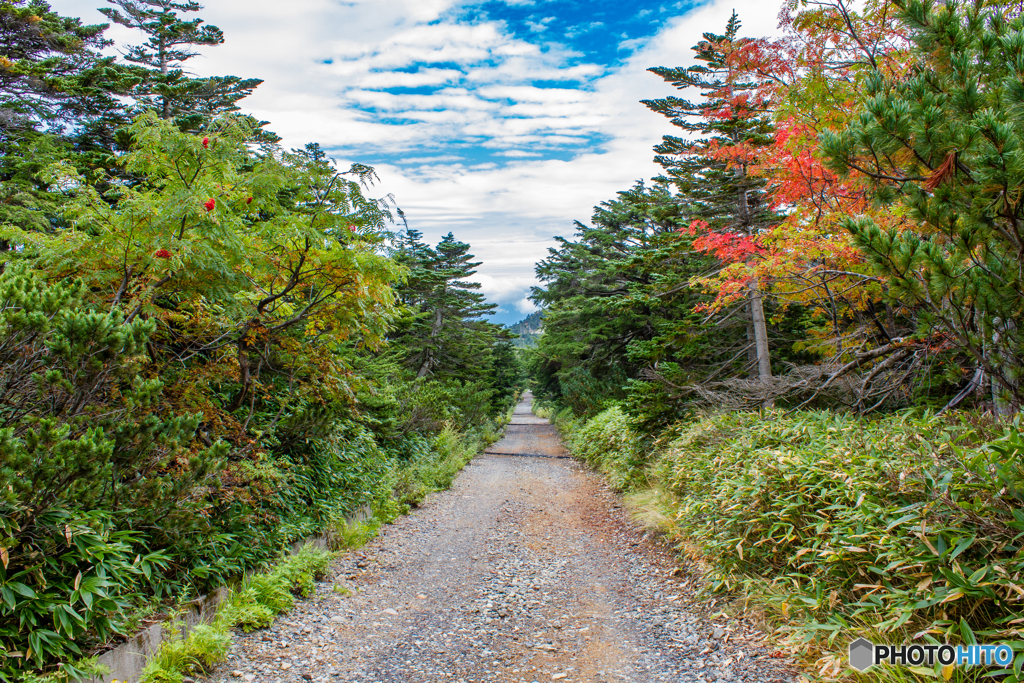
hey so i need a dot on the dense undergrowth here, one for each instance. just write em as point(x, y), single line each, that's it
point(903, 528)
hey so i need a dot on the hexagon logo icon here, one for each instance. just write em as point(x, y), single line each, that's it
point(862, 654)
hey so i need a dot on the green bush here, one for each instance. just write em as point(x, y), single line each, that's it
point(86, 457)
point(266, 595)
point(434, 466)
point(840, 526)
point(608, 443)
point(204, 646)
point(905, 522)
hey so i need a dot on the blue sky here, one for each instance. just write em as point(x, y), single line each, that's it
point(501, 121)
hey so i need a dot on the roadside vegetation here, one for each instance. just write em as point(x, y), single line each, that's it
point(210, 347)
point(831, 526)
point(797, 350)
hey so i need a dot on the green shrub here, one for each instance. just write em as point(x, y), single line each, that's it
point(349, 536)
point(434, 468)
point(265, 595)
point(608, 443)
point(205, 646)
point(905, 522)
point(86, 457)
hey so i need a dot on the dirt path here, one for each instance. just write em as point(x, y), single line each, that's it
point(526, 570)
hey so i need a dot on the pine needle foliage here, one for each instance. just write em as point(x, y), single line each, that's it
point(944, 141)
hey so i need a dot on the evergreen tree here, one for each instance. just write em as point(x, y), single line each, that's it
point(710, 172)
point(51, 72)
point(171, 41)
point(619, 319)
point(446, 335)
point(58, 99)
point(944, 141)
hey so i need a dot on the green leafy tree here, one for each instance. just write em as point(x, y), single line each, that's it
point(273, 257)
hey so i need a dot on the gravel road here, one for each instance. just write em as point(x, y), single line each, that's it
point(526, 570)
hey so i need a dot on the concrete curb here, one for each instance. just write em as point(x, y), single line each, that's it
point(127, 660)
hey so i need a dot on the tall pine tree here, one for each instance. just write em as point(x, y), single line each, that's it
point(447, 335)
point(710, 171)
point(171, 41)
point(945, 141)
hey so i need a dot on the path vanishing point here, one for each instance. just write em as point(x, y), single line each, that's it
point(528, 570)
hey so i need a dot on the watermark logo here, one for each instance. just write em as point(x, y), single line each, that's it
point(864, 654)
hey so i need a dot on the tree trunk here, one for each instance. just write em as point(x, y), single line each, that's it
point(751, 337)
point(166, 111)
point(764, 365)
point(244, 368)
point(435, 330)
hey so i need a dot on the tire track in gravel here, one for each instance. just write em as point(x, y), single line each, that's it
point(526, 570)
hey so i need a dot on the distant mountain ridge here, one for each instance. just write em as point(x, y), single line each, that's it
point(528, 329)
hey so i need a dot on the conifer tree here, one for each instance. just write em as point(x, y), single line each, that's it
point(171, 41)
point(58, 98)
point(618, 311)
point(945, 142)
point(447, 335)
point(710, 172)
point(51, 70)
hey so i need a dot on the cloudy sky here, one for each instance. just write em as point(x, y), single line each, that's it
point(500, 121)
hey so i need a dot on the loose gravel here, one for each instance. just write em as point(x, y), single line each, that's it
point(526, 570)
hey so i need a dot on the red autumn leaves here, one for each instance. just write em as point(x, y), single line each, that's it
point(210, 203)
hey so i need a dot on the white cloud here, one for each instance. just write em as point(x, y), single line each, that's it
point(525, 306)
point(327, 66)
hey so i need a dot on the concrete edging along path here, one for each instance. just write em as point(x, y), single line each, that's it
point(127, 660)
point(527, 570)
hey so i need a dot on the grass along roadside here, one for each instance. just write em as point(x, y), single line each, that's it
point(830, 527)
point(260, 597)
point(252, 605)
